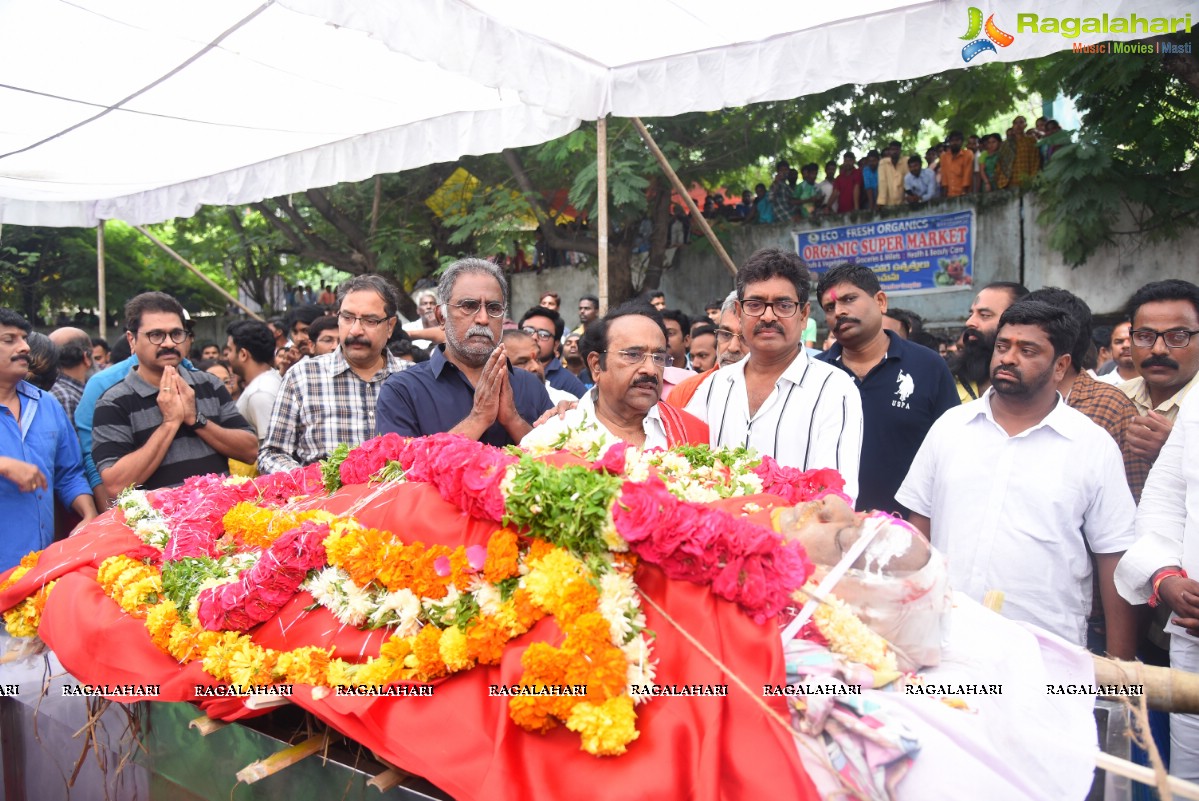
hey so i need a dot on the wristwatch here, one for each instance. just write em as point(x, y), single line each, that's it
point(201, 421)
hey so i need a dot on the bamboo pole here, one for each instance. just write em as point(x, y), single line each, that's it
point(256, 771)
point(1165, 689)
point(206, 725)
point(166, 249)
point(601, 189)
point(1139, 773)
point(101, 282)
point(682, 190)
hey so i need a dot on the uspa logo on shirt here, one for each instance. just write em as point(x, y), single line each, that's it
point(977, 45)
point(905, 386)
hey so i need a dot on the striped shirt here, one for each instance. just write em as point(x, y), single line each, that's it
point(128, 414)
point(321, 404)
point(812, 418)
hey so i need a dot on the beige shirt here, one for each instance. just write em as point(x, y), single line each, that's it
point(1136, 390)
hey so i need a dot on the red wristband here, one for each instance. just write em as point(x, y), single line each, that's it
point(1162, 575)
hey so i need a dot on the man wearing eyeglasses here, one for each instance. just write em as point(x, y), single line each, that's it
point(161, 424)
point(730, 349)
point(1165, 350)
point(547, 327)
point(467, 386)
point(780, 401)
point(328, 400)
point(627, 354)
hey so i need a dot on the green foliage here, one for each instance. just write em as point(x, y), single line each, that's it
point(181, 579)
point(331, 467)
point(565, 506)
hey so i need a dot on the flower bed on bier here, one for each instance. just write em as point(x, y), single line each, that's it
point(547, 598)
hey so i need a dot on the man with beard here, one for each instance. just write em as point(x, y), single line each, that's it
point(996, 486)
point(427, 307)
point(972, 365)
point(39, 452)
point(467, 386)
point(162, 424)
point(905, 387)
point(730, 349)
point(329, 400)
point(572, 360)
point(1165, 350)
point(780, 401)
point(588, 311)
point(626, 352)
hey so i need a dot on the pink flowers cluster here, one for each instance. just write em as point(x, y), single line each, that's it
point(276, 489)
point(370, 457)
point(466, 473)
point(796, 486)
point(744, 562)
point(263, 589)
point(195, 511)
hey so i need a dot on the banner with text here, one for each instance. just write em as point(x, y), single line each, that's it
point(908, 254)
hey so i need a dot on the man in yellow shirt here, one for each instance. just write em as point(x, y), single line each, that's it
point(957, 167)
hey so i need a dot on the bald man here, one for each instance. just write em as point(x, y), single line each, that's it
point(75, 366)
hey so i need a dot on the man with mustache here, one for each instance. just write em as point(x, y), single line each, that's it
point(327, 400)
point(627, 353)
point(39, 452)
point(905, 387)
point(467, 386)
point(1125, 368)
point(972, 365)
point(546, 327)
point(1045, 488)
point(780, 401)
point(730, 349)
point(1165, 350)
point(161, 424)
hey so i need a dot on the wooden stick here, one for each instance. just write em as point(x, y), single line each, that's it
point(101, 281)
point(256, 771)
point(682, 190)
point(601, 189)
point(1144, 775)
point(166, 249)
point(206, 725)
point(1165, 689)
point(386, 780)
point(993, 600)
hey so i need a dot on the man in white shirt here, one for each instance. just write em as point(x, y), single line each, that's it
point(1155, 568)
point(780, 401)
point(626, 352)
point(426, 305)
point(1015, 488)
point(252, 356)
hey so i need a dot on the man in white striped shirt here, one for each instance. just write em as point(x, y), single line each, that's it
point(779, 401)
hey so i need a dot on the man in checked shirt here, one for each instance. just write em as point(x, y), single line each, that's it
point(327, 400)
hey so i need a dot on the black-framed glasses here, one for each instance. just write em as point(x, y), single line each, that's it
point(635, 356)
point(369, 322)
point(157, 337)
point(540, 333)
point(1147, 337)
point(782, 308)
point(724, 336)
point(470, 307)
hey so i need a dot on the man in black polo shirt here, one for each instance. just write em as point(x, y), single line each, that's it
point(467, 386)
point(162, 424)
point(904, 386)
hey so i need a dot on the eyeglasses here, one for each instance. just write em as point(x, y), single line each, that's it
point(157, 337)
point(470, 307)
point(369, 323)
point(724, 336)
point(540, 333)
point(1147, 338)
point(782, 308)
point(635, 356)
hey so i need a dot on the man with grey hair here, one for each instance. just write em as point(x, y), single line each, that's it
point(75, 366)
point(730, 349)
point(467, 386)
point(426, 304)
point(328, 400)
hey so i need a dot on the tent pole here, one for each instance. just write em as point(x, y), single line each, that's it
point(166, 249)
point(682, 190)
point(601, 188)
point(101, 282)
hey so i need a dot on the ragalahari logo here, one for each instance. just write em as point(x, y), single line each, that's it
point(981, 45)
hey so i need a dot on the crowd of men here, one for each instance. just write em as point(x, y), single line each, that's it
point(960, 165)
point(1023, 458)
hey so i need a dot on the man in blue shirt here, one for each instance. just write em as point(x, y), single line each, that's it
point(467, 386)
point(905, 387)
point(39, 452)
point(919, 185)
point(546, 327)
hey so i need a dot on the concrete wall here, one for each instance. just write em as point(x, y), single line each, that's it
point(1010, 245)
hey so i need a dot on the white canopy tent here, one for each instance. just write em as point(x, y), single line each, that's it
point(144, 110)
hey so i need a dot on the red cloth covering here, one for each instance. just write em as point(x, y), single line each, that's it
point(461, 739)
